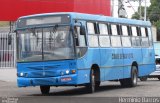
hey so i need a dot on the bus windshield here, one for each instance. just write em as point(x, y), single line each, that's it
point(53, 43)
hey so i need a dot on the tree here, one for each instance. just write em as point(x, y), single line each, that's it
point(154, 12)
point(136, 15)
point(154, 15)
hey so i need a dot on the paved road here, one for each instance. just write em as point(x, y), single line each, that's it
point(150, 88)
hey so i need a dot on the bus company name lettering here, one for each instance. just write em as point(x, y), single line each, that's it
point(122, 56)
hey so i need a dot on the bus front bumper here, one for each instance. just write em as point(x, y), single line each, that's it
point(48, 81)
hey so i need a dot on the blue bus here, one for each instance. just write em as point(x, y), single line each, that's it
point(74, 49)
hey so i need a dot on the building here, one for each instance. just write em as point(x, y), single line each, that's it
point(10, 10)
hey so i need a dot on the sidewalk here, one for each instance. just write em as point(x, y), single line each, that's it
point(8, 74)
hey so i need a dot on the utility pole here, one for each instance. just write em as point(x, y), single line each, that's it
point(140, 9)
point(145, 11)
point(121, 10)
point(112, 8)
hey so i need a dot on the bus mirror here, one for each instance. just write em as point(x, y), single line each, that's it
point(9, 39)
point(82, 30)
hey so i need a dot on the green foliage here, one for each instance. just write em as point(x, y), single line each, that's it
point(135, 16)
point(158, 24)
point(154, 13)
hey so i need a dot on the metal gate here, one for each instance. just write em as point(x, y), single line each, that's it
point(7, 51)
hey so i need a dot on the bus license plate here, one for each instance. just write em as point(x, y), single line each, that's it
point(66, 79)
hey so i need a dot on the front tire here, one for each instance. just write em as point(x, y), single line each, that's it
point(45, 89)
point(92, 85)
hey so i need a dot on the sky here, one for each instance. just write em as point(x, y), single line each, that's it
point(129, 7)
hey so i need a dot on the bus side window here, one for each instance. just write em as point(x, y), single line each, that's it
point(114, 29)
point(149, 36)
point(134, 31)
point(80, 39)
point(138, 31)
point(92, 37)
point(145, 40)
point(115, 37)
point(125, 30)
point(126, 42)
point(104, 39)
point(91, 28)
point(136, 39)
point(103, 29)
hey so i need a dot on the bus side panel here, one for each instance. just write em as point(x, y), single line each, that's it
point(85, 63)
point(83, 76)
point(127, 60)
point(145, 70)
point(148, 65)
point(111, 64)
point(131, 55)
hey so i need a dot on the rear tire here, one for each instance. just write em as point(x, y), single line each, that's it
point(143, 78)
point(131, 82)
point(159, 78)
point(97, 84)
point(45, 89)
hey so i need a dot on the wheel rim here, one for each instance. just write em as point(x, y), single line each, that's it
point(92, 81)
point(135, 78)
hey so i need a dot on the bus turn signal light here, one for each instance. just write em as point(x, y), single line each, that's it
point(73, 71)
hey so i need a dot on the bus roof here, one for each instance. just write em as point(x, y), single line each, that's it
point(90, 17)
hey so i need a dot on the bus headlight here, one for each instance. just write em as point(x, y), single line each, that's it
point(21, 74)
point(67, 71)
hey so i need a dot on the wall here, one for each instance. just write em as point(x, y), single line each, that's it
point(10, 10)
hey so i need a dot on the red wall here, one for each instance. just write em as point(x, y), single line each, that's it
point(10, 10)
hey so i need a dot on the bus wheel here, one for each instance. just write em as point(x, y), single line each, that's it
point(97, 84)
point(91, 86)
point(159, 78)
point(45, 89)
point(143, 78)
point(131, 82)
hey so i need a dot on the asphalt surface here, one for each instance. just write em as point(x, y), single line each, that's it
point(150, 88)
point(108, 91)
